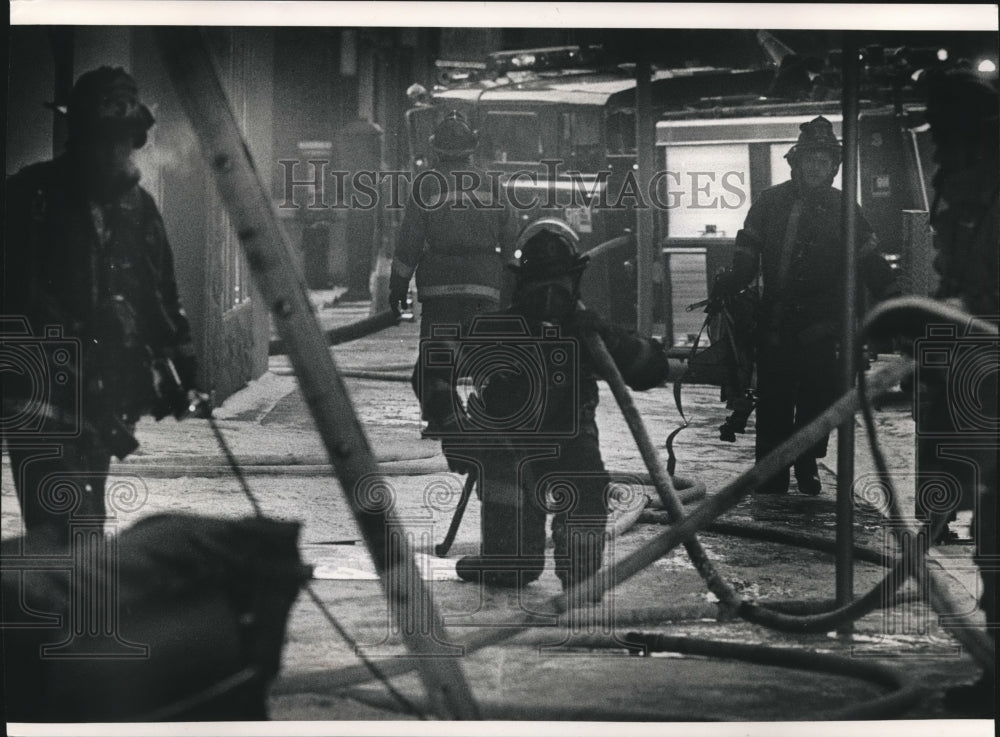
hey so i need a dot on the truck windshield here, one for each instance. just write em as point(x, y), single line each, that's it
point(580, 144)
point(510, 137)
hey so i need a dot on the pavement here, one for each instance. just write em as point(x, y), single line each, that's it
point(179, 468)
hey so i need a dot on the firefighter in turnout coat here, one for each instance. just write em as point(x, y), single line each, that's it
point(964, 114)
point(456, 235)
point(89, 284)
point(530, 431)
point(792, 238)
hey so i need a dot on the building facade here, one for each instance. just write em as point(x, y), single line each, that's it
point(289, 88)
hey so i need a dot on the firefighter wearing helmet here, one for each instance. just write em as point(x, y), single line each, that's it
point(87, 255)
point(457, 231)
point(792, 239)
point(963, 110)
point(551, 462)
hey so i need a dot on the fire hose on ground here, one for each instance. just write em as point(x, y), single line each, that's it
point(703, 517)
point(186, 56)
point(706, 512)
point(729, 600)
point(902, 694)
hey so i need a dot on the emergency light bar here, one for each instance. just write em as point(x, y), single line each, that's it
point(456, 72)
point(463, 65)
point(544, 59)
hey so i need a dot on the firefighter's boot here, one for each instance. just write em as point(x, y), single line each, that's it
point(807, 476)
point(579, 551)
point(512, 553)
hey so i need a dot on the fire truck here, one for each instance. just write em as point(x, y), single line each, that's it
point(560, 123)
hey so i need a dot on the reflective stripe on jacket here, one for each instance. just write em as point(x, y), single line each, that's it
point(456, 240)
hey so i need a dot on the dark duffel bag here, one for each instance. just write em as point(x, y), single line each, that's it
point(178, 618)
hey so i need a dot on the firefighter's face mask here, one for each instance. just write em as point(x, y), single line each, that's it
point(548, 300)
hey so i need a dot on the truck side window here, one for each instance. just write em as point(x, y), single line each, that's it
point(510, 137)
point(580, 143)
point(621, 131)
point(420, 124)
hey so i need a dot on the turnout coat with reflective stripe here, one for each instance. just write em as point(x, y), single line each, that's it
point(457, 233)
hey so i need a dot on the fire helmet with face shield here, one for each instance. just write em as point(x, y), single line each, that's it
point(546, 249)
point(548, 270)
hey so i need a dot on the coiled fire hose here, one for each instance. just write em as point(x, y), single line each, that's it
point(702, 517)
point(911, 561)
point(606, 579)
point(730, 601)
point(902, 695)
point(661, 479)
point(902, 315)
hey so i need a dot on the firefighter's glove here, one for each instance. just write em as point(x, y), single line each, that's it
point(399, 286)
point(725, 285)
point(199, 404)
point(735, 423)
